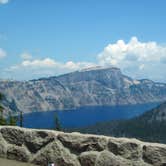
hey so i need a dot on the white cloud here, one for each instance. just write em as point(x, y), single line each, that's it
point(29, 69)
point(2, 53)
point(4, 1)
point(51, 63)
point(137, 59)
point(26, 56)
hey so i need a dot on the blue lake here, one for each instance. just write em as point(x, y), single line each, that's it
point(84, 116)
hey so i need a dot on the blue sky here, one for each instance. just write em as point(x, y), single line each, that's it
point(50, 37)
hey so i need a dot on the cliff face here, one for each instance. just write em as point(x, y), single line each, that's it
point(74, 149)
point(93, 87)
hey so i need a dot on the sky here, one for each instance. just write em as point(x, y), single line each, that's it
point(41, 38)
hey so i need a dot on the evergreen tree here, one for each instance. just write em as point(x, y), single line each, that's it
point(21, 119)
point(57, 123)
point(2, 119)
point(12, 120)
point(1, 97)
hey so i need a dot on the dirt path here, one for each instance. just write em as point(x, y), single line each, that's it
point(5, 162)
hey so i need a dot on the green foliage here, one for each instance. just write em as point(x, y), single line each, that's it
point(12, 120)
point(144, 128)
point(21, 119)
point(2, 119)
point(1, 108)
point(1, 96)
point(57, 123)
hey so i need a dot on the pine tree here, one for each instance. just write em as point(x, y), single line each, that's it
point(12, 120)
point(57, 123)
point(1, 97)
point(21, 119)
point(2, 119)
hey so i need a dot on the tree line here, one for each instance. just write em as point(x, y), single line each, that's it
point(11, 120)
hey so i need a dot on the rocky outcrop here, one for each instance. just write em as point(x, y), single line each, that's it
point(74, 149)
point(94, 87)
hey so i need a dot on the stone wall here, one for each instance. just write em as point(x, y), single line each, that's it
point(75, 149)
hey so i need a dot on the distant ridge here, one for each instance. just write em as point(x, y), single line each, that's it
point(97, 86)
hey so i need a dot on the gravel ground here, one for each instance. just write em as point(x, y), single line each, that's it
point(5, 162)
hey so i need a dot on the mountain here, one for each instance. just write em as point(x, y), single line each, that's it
point(89, 87)
point(151, 126)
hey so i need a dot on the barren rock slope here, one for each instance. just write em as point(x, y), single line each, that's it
point(99, 87)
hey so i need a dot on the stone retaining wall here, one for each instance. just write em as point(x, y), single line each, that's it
point(75, 149)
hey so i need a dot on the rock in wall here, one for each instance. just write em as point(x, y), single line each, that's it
point(74, 149)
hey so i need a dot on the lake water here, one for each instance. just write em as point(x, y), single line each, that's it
point(84, 116)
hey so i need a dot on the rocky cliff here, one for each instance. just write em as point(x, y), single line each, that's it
point(92, 87)
point(74, 149)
